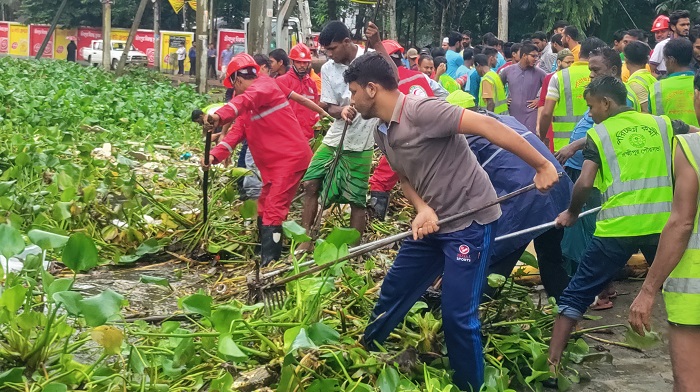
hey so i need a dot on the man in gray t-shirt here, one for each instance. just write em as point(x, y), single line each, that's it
point(424, 143)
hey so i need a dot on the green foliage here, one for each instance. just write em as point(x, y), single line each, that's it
point(579, 13)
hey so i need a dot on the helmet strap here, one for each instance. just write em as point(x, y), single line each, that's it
point(299, 73)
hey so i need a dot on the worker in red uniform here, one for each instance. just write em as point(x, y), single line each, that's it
point(275, 139)
point(301, 83)
point(413, 82)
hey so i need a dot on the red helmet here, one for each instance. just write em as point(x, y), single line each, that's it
point(300, 52)
point(392, 46)
point(660, 24)
point(240, 62)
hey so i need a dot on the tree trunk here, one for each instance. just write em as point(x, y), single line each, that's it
point(437, 18)
point(503, 19)
point(332, 10)
point(443, 21)
point(391, 16)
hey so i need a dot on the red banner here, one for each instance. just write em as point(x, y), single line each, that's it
point(4, 37)
point(37, 33)
point(229, 37)
point(85, 37)
point(144, 42)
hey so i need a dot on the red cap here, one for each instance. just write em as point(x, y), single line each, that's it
point(392, 46)
point(300, 52)
point(240, 63)
point(660, 24)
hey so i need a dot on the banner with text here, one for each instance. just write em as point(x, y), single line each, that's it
point(19, 40)
point(4, 37)
point(61, 42)
point(37, 33)
point(170, 41)
point(229, 37)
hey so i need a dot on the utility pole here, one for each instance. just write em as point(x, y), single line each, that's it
point(106, 33)
point(156, 34)
point(259, 27)
point(51, 29)
point(503, 19)
point(184, 17)
point(132, 35)
point(202, 38)
point(212, 20)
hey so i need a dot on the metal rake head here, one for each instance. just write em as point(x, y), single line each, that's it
point(271, 295)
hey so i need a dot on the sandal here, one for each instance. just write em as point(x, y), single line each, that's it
point(601, 304)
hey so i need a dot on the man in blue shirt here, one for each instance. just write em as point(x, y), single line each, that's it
point(454, 59)
point(508, 173)
point(489, 39)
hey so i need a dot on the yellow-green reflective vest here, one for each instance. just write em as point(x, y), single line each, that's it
point(571, 105)
point(632, 100)
point(643, 78)
point(635, 174)
point(673, 97)
point(211, 109)
point(682, 288)
point(500, 99)
point(448, 83)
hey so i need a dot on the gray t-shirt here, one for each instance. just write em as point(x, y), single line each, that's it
point(423, 144)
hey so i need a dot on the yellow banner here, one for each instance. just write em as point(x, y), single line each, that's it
point(120, 34)
point(19, 40)
point(177, 5)
point(60, 45)
point(193, 4)
point(170, 41)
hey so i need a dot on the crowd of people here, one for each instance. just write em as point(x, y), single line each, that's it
point(598, 126)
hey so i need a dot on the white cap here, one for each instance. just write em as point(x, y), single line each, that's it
point(445, 40)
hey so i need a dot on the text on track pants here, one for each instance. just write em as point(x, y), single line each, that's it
point(463, 257)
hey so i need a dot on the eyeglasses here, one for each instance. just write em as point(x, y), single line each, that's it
point(534, 56)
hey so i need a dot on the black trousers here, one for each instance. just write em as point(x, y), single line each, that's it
point(550, 260)
point(193, 66)
point(180, 67)
point(211, 67)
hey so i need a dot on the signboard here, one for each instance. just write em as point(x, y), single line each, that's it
point(37, 33)
point(144, 42)
point(85, 37)
point(226, 38)
point(61, 42)
point(120, 34)
point(170, 41)
point(4, 37)
point(19, 40)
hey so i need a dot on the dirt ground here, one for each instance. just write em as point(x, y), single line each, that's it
point(630, 370)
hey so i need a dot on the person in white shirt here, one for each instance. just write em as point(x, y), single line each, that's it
point(181, 55)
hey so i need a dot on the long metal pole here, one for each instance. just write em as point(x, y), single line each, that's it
point(132, 35)
point(156, 35)
point(51, 29)
point(202, 38)
point(106, 33)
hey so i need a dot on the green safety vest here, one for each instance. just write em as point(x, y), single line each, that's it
point(674, 97)
point(633, 99)
point(448, 83)
point(643, 78)
point(211, 109)
point(635, 174)
point(682, 288)
point(500, 99)
point(571, 105)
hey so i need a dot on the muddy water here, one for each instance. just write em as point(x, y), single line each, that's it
point(144, 299)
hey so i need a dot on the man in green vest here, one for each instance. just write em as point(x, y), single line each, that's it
point(628, 158)
point(676, 265)
point(671, 96)
point(492, 93)
point(641, 80)
point(564, 105)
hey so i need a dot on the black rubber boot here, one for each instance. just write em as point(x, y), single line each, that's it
point(378, 204)
point(271, 244)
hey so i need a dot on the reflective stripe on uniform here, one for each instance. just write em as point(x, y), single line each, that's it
point(682, 285)
point(411, 79)
point(634, 210)
point(618, 185)
point(235, 109)
point(658, 99)
point(568, 95)
point(228, 146)
point(270, 111)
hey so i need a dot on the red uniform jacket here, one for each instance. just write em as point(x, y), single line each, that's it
point(414, 82)
point(268, 123)
point(305, 87)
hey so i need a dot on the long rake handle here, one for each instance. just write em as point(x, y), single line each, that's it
point(205, 183)
point(360, 250)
